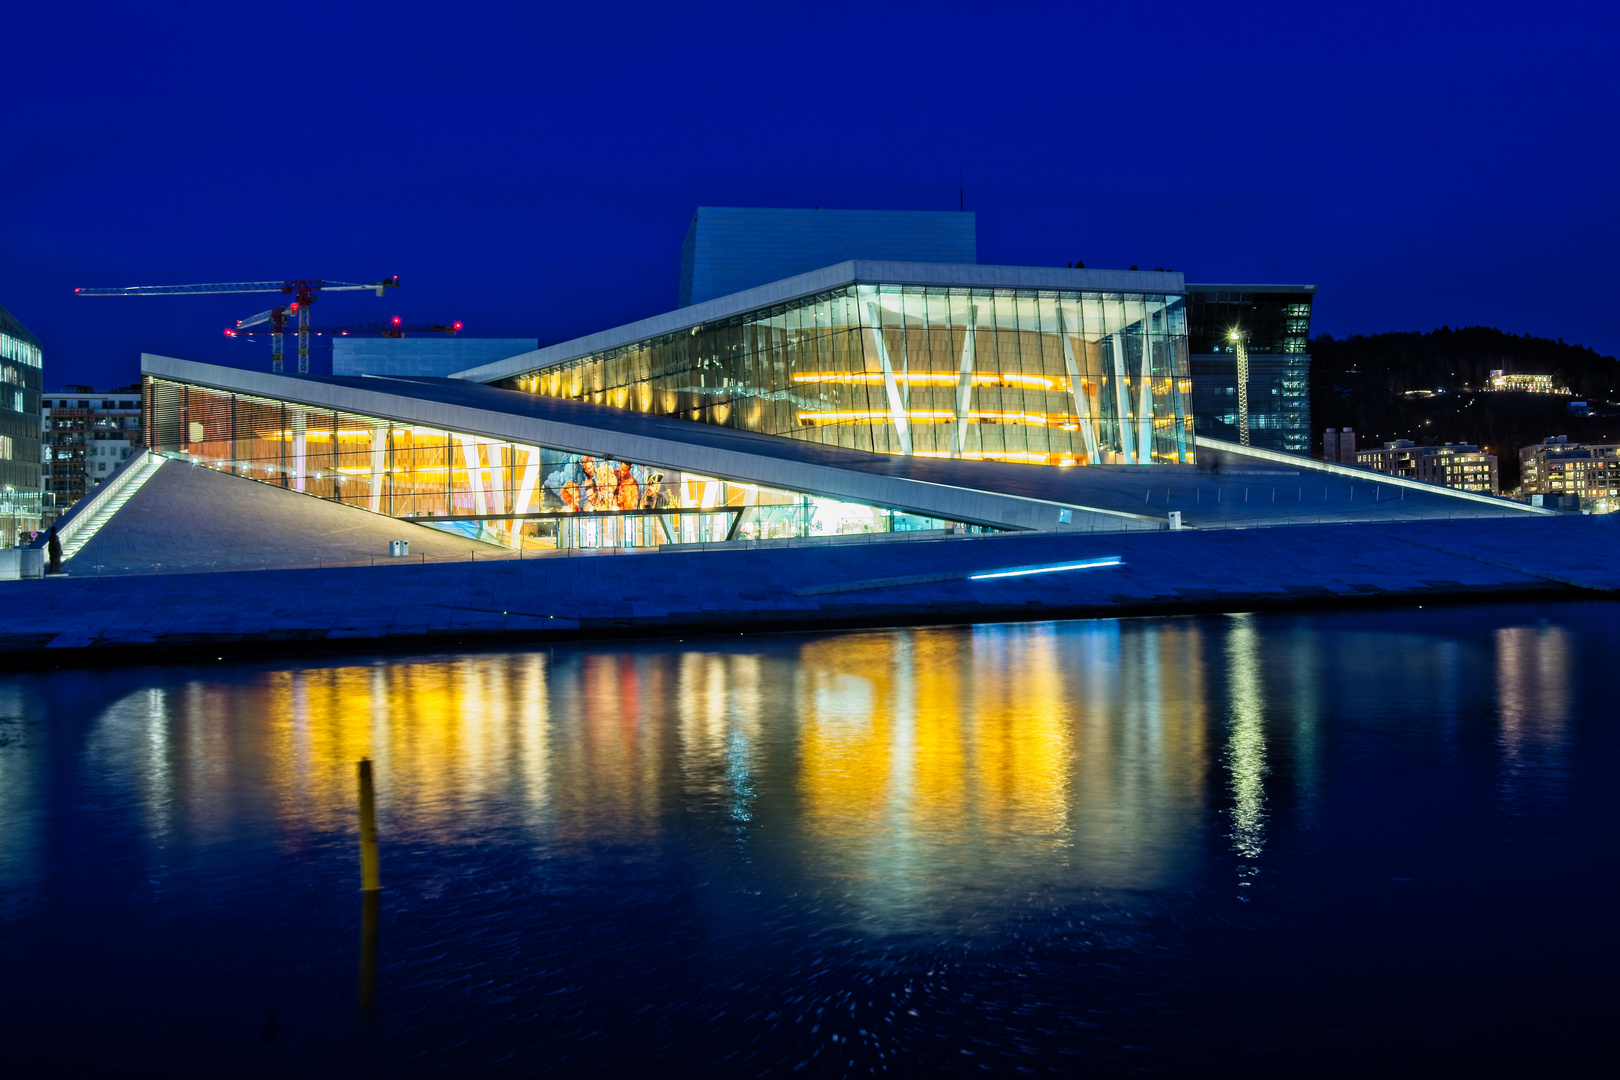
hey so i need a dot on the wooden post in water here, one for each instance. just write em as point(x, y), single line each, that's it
point(370, 877)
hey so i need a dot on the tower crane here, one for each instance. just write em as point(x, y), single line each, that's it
point(392, 329)
point(304, 292)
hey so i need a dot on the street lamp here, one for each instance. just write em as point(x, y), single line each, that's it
point(1240, 345)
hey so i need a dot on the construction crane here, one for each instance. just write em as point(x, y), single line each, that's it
point(392, 329)
point(304, 292)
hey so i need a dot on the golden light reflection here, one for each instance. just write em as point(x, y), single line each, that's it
point(1246, 743)
point(910, 774)
point(940, 765)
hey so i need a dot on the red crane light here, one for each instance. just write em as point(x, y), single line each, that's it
point(457, 324)
point(396, 320)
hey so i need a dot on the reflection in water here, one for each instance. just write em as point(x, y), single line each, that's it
point(1246, 743)
point(937, 767)
point(1534, 674)
point(907, 775)
point(904, 778)
point(887, 849)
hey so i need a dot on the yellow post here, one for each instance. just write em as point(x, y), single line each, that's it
point(370, 877)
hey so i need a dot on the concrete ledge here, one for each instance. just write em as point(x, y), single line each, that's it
point(139, 619)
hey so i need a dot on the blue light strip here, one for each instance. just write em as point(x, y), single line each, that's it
point(1089, 564)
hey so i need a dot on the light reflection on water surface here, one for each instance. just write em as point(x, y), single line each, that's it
point(1058, 789)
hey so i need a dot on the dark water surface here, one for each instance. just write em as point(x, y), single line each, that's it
point(1234, 845)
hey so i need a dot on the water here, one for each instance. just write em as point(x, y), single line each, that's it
point(1227, 845)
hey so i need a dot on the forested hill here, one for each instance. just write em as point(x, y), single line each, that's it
point(1451, 359)
point(1363, 382)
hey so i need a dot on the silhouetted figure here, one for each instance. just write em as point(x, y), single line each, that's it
point(54, 548)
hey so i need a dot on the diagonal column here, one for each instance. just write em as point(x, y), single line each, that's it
point(964, 383)
point(1082, 398)
point(897, 402)
point(1144, 407)
point(1122, 399)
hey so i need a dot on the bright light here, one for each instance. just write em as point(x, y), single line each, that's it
point(1021, 571)
point(1233, 336)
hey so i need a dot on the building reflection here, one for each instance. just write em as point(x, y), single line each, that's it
point(1534, 673)
point(911, 774)
point(941, 770)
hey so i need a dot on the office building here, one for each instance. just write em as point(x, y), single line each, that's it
point(1272, 323)
point(1454, 465)
point(21, 364)
point(1587, 474)
point(1339, 445)
point(732, 248)
point(86, 434)
point(1513, 383)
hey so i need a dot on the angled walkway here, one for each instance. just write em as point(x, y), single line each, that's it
point(188, 518)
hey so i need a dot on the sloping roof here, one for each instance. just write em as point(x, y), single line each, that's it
point(837, 276)
point(953, 490)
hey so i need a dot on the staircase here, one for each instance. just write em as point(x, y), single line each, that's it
point(109, 505)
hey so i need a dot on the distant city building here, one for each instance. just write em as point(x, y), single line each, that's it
point(1276, 323)
point(1454, 465)
point(86, 434)
point(1585, 472)
point(1524, 384)
point(732, 248)
point(21, 361)
point(1339, 445)
point(434, 356)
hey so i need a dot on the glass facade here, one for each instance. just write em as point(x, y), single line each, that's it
point(505, 493)
point(1276, 323)
point(21, 457)
point(1037, 376)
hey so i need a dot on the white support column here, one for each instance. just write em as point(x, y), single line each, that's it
point(529, 482)
point(1122, 397)
point(298, 439)
point(964, 382)
point(897, 401)
point(1144, 408)
point(475, 479)
point(1082, 399)
point(379, 465)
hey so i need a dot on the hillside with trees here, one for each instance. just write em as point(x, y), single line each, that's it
point(1431, 388)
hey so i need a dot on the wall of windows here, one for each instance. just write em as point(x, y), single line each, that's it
point(21, 458)
point(1045, 377)
point(498, 492)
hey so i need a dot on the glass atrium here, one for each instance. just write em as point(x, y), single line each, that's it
point(505, 493)
point(1021, 375)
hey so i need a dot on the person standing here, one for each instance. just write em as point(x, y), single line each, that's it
point(54, 547)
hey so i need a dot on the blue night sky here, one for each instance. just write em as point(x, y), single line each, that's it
point(531, 169)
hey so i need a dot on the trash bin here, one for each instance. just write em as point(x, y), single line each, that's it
point(397, 548)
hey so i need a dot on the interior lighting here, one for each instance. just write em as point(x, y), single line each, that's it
point(925, 378)
point(1022, 571)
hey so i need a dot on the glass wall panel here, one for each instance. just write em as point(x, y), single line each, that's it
point(511, 494)
point(1045, 377)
